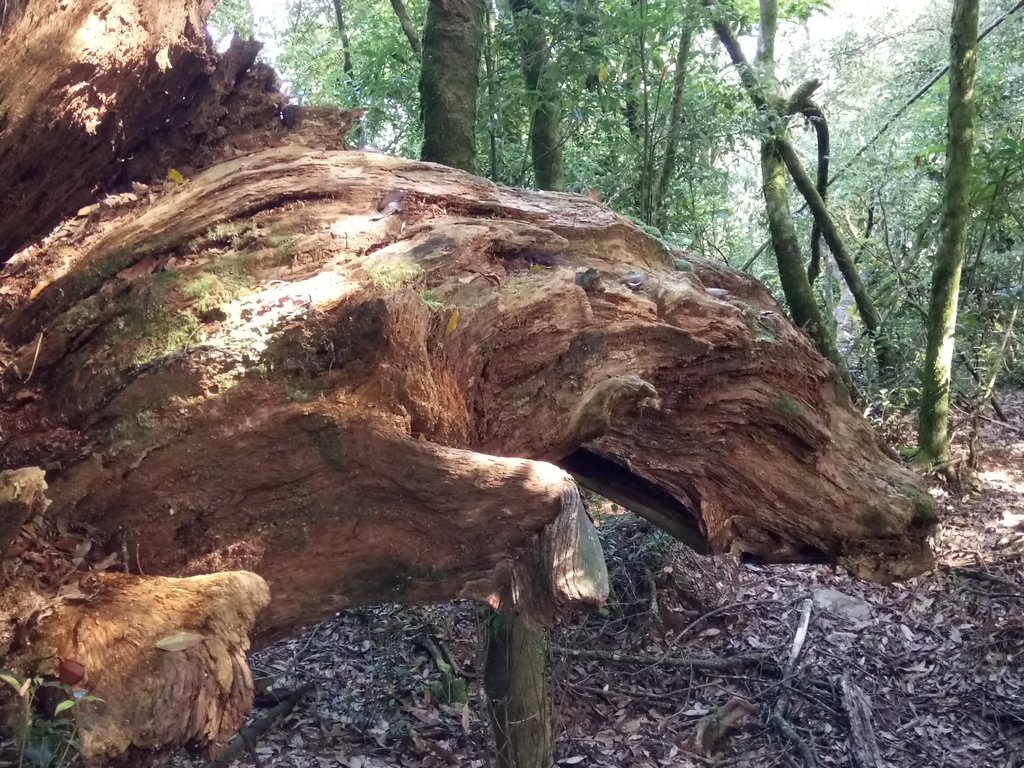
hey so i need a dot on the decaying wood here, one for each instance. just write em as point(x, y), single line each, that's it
point(862, 744)
point(246, 738)
point(353, 378)
point(22, 494)
point(98, 92)
point(256, 371)
point(165, 655)
point(454, 326)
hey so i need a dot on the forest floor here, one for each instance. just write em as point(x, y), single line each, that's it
point(939, 659)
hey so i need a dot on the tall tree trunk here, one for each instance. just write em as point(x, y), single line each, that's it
point(546, 115)
point(407, 26)
point(795, 285)
point(884, 352)
point(449, 78)
point(932, 432)
point(675, 128)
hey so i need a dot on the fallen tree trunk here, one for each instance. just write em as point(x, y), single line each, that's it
point(260, 326)
point(351, 379)
point(257, 372)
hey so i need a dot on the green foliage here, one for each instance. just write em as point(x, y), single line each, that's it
point(45, 739)
point(231, 17)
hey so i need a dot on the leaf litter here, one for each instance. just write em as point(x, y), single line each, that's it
point(937, 658)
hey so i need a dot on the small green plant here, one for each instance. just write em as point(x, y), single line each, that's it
point(48, 720)
point(430, 299)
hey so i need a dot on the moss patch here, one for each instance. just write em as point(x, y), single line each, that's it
point(393, 275)
point(133, 426)
point(787, 405)
point(209, 291)
point(329, 445)
point(924, 506)
point(155, 328)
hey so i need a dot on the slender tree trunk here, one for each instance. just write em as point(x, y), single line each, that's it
point(339, 17)
point(932, 435)
point(546, 116)
point(493, 119)
point(792, 273)
point(449, 79)
point(647, 162)
point(675, 128)
point(795, 286)
point(346, 52)
point(518, 695)
point(407, 26)
point(884, 352)
point(817, 119)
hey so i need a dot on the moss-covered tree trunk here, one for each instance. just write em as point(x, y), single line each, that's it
point(453, 38)
point(885, 354)
point(518, 697)
point(762, 88)
point(675, 127)
point(542, 85)
point(795, 285)
point(932, 433)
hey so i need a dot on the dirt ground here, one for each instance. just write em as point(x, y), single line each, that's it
point(937, 659)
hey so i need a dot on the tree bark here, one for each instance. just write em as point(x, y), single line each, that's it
point(541, 85)
point(518, 696)
point(449, 78)
point(933, 419)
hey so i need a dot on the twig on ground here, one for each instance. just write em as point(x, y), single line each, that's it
point(989, 577)
point(1003, 424)
point(714, 664)
point(745, 604)
point(862, 744)
point(778, 718)
point(247, 736)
